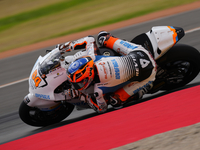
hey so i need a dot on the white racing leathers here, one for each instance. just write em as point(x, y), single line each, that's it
point(125, 75)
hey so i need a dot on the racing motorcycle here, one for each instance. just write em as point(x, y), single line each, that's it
point(47, 102)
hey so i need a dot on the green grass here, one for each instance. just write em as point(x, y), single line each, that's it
point(61, 18)
point(10, 21)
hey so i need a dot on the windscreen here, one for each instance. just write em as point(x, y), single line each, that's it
point(50, 63)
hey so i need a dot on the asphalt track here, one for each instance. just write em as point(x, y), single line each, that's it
point(18, 67)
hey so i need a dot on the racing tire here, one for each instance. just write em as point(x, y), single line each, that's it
point(180, 61)
point(35, 117)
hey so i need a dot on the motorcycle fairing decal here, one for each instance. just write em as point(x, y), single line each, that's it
point(42, 96)
point(36, 78)
point(50, 71)
point(175, 36)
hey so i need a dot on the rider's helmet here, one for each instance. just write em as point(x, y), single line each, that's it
point(81, 73)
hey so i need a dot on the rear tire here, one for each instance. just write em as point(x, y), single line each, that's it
point(35, 117)
point(181, 64)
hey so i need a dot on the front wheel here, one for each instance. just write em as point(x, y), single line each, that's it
point(35, 117)
point(179, 66)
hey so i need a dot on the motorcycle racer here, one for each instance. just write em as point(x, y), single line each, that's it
point(129, 75)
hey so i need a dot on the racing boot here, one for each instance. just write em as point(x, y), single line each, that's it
point(102, 37)
point(106, 39)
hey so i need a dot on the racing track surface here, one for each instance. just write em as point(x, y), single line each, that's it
point(18, 67)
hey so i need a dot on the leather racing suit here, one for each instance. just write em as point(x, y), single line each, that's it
point(125, 75)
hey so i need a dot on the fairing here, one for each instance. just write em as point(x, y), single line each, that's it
point(47, 74)
point(163, 38)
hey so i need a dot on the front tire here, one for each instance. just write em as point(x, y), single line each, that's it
point(35, 117)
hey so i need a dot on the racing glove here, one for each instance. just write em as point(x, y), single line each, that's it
point(98, 106)
point(66, 47)
point(71, 94)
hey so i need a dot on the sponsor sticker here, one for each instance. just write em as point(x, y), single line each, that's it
point(42, 96)
point(116, 67)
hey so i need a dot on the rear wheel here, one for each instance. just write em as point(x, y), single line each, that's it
point(179, 66)
point(35, 117)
